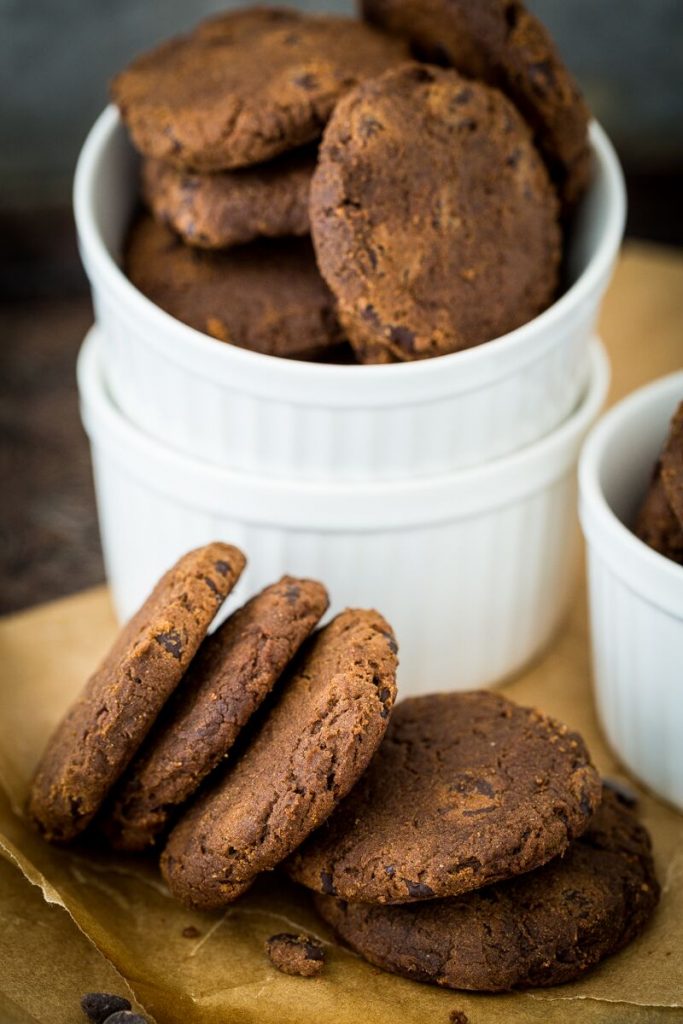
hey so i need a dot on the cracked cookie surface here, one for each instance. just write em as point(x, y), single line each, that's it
point(543, 928)
point(232, 673)
point(246, 85)
point(467, 789)
point(433, 218)
point(316, 741)
point(95, 742)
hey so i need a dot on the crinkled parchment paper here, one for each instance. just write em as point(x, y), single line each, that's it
point(221, 974)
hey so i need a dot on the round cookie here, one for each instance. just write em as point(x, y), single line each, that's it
point(500, 42)
point(467, 789)
point(433, 217)
point(268, 296)
point(216, 211)
point(246, 85)
point(544, 928)
point(232, 673)
point(95, 742)
point(672, 465)
point(315, 743)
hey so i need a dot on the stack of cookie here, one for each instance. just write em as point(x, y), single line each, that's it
point(660, 519)
point(435, 196)
point(461, 840)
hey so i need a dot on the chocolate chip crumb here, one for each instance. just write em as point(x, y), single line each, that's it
point(100, 1005)
point(296, 954)
point(190, 932)
point(458, 1017)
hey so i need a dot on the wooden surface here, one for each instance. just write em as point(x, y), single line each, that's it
point(642, 326)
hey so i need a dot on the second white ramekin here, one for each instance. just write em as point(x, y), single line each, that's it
point(264, 415)
point(473, 569)
point(636, 595)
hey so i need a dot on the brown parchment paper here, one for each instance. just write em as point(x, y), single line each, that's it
point(118, 912)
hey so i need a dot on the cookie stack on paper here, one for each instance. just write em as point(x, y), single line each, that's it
point(457, 838)
point(435, 197)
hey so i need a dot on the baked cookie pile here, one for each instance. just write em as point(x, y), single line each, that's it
point(660, 519)
point(375, 190)
point(455, 838)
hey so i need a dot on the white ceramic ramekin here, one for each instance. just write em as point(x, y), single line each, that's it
point(259, 414)
point(636, 595)
point(473, 569)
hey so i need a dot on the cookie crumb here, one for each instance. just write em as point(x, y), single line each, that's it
point(296, 954)
point(458, 1017)
point(190, 932)
point(100, 1005)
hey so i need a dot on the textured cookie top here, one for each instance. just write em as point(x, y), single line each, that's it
point(215, 211)
point(104, 728)
point(500, 42)
point(268, 296)
point(432, 214)
point(467, 789)
point(315, 743)
point(544, 928)
point(672, 465)
point(231, 674)
point(246, 85)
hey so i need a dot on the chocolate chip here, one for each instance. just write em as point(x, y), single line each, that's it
point(418, 889)
point(402, 336)
point(100, 1005)
point(171, 643)
point(295, 954)
point(292, 593)
point(210, 584)
point(370, 314)
point(222, 567)
point(307, 81)
point(125, 1017)
point(389, 870)
point(326, 882)
point(369, 126)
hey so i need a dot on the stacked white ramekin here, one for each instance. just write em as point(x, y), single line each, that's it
point(442, 491)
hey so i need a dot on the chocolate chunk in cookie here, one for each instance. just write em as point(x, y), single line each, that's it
point(432, 214)
point(216, 211)
point(232, 673)
point(268, 296)
point(296, 954)
point(102, 732)
point(500, 42)
point(544, 928)
point(467, 789)
point(246, 85)
point(315, 743)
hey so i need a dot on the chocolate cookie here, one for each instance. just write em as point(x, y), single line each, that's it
point(467, 789)
point(101, 733)
point(246, 85)
point(656, 523)
point(672, 465)
point(267, 296)
point(432, 214)
point(314, 745)
point(231, 674)
point(296, 954)
point(500, 42)
point(544, 928)
point(216, 211)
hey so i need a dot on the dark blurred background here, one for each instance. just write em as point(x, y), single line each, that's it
point(55, 61)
